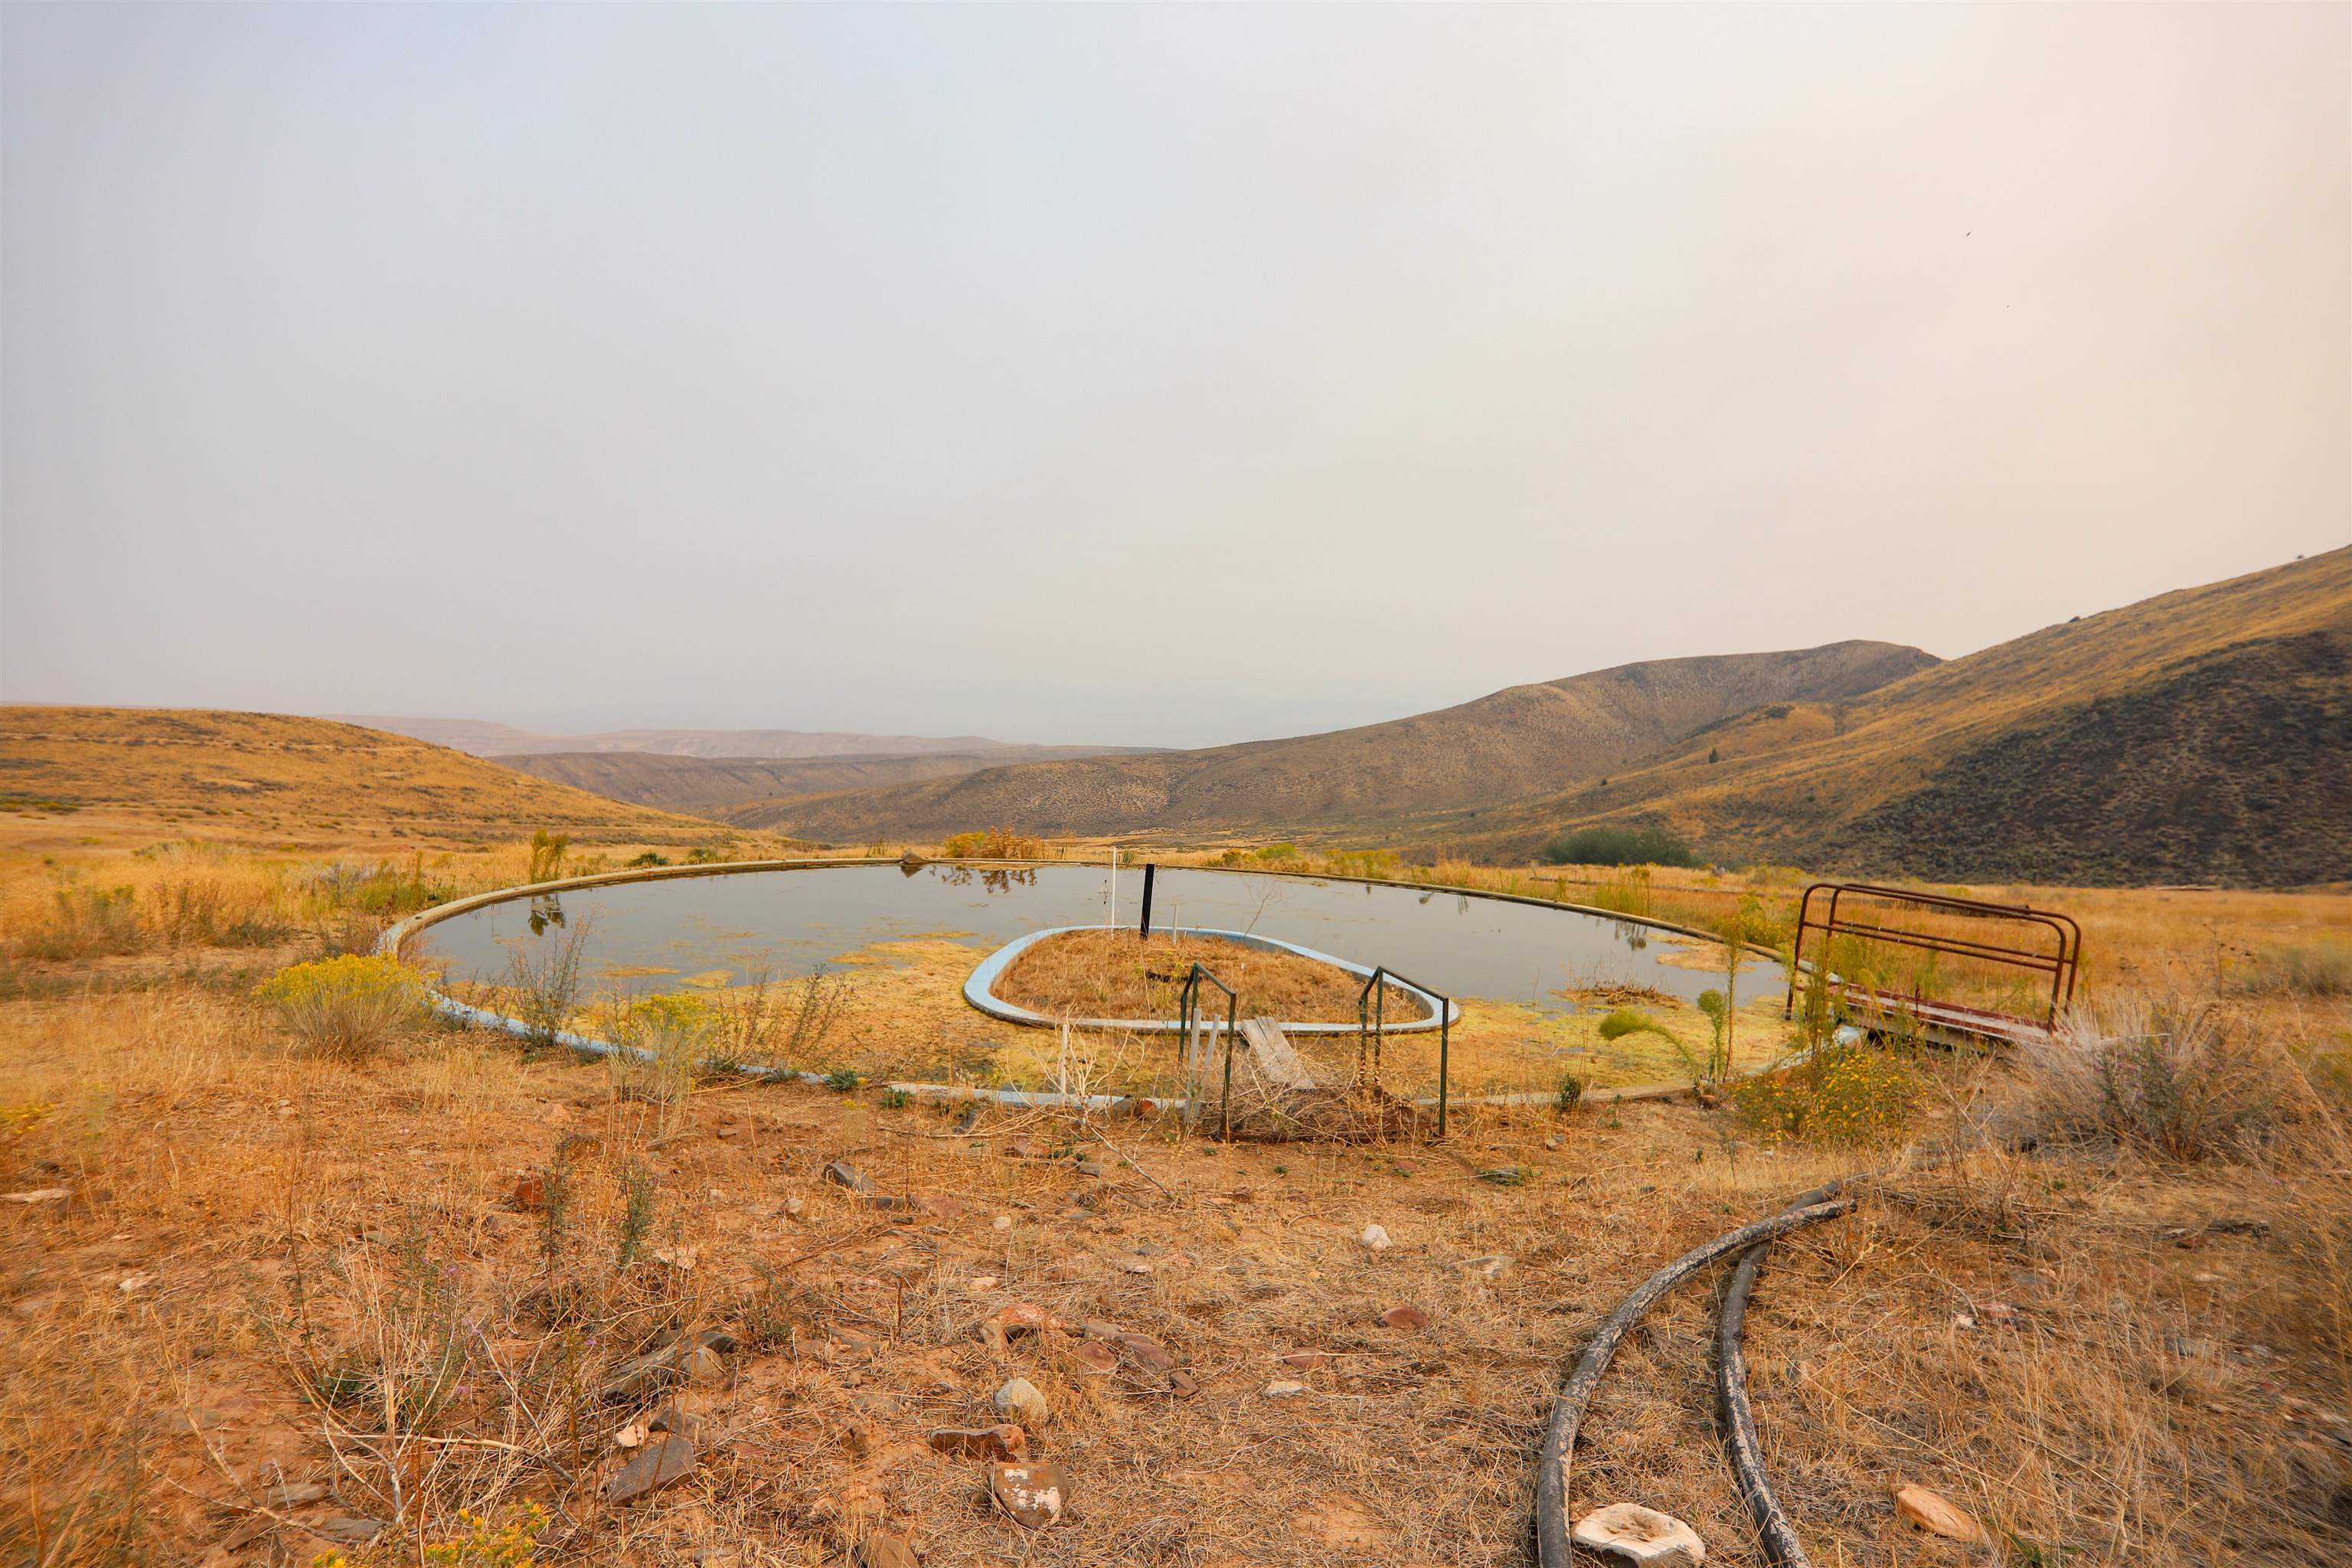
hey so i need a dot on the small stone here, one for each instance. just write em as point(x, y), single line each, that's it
point(673, 1418)
point(1149, 1248)
point(1936, 1514)
point(842, 1174)
point(1506, 1175)
point(701, 1366)
point(1017, 1317)
point(980, 1284)
point(1021, 1149)
point(40, 1195)
point(1306, 1361)
point(662, 1460)
point(883, 1550)
point(1640, 1535)
point(1094, 1358)
point(632, 1436)
point(351, 1531)
point(1375, 1237)
point(1404, 1318)
point(1552, 1142)
point(858, 1437)
point(1148, 1351)
point(1092, 1168)
point(1134, 1266)
point(1181, 1384)
point(1282, 1388)
point(793, 1207)
point(1486, 1268)
point(1007, 1442)
point(1019, 1400)
point(1001, 1221)
point(530, 1190)
point(132, 1284)
point(1034, 1495)
point(294, 1494)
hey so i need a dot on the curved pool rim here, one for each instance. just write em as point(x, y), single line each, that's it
point(447, 1006)
point(979, 988)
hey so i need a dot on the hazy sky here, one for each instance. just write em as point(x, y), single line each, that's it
point(1123, 375)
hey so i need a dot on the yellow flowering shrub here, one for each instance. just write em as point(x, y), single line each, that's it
point(349, 1008)
point(1840, 1094)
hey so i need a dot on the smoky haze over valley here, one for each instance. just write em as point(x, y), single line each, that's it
point(1125, 376)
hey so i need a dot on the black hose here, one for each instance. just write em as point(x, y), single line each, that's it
point(1747, 1454)
point(1553, 1549)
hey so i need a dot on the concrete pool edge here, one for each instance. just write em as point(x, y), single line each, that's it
point(397, 934)
point(977, 988)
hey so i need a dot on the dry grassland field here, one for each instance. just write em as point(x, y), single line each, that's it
point(292, 1273)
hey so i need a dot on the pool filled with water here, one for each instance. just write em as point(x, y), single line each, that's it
point(721, 929)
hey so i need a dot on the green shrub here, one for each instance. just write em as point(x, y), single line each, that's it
point(647, 858)
point(1570, 1093)
point(348, 1008)
point(2324, 968)
point(2170, 1079)
point(1605, 844)
point(85, 922)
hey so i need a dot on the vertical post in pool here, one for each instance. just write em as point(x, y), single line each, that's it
point(1151, 870)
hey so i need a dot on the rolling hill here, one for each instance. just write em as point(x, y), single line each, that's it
point(2203, 735)
point(483, 739)
point(1510, 744)
point(710, 786)
point(268, 777)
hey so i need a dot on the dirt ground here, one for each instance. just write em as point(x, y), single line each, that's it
point(252, 1246)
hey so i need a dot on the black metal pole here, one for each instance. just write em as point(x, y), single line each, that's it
point(1149, 869)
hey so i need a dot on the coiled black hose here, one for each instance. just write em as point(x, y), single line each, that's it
point(1553, 1549)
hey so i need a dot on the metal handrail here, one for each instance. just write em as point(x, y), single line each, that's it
point(1188, 1004)
point(1371, 1023)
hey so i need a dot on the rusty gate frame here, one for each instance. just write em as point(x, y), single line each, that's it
point(2062, 963)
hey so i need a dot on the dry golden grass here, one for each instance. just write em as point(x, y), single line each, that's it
point(2159, 1366)
point(1117, 974)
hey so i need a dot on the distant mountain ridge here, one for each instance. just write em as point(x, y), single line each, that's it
point(1510, 744)
point(713, 785)
point(2202, 736)
point(485, 739)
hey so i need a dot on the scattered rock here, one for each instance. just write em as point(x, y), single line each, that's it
point(1306, 1361)
point(1134, 1266)
point(1007, 1442)
point(632, 1436)
point(672, 1418)
point(980, 1284)
point(530, 1190)
point(132, 1284)
point(701, 1366)
point(1486, 1268)
point(1404, 1318)
point(1506, 1175)
point(1936, 1514)
point(1148, 1351)
point(1001, 1221)
point(1021, 1149)
point(1553, 1141)
point(1034, 1495)
point(294, 1494)
point(351, 1531)
point(1149, 1248)
point(1375, 1237)
point(1092, 1168)
point(1019, 1400)
point(793, 1207)
point(1094, 1358)
point(1018, 1318)
point(1641, 1535)
point(40, 1195)
point(883, 1550)
point(1181, 1384)
point(842, 1174)
point(662, 1460)
point(1282, 1388)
